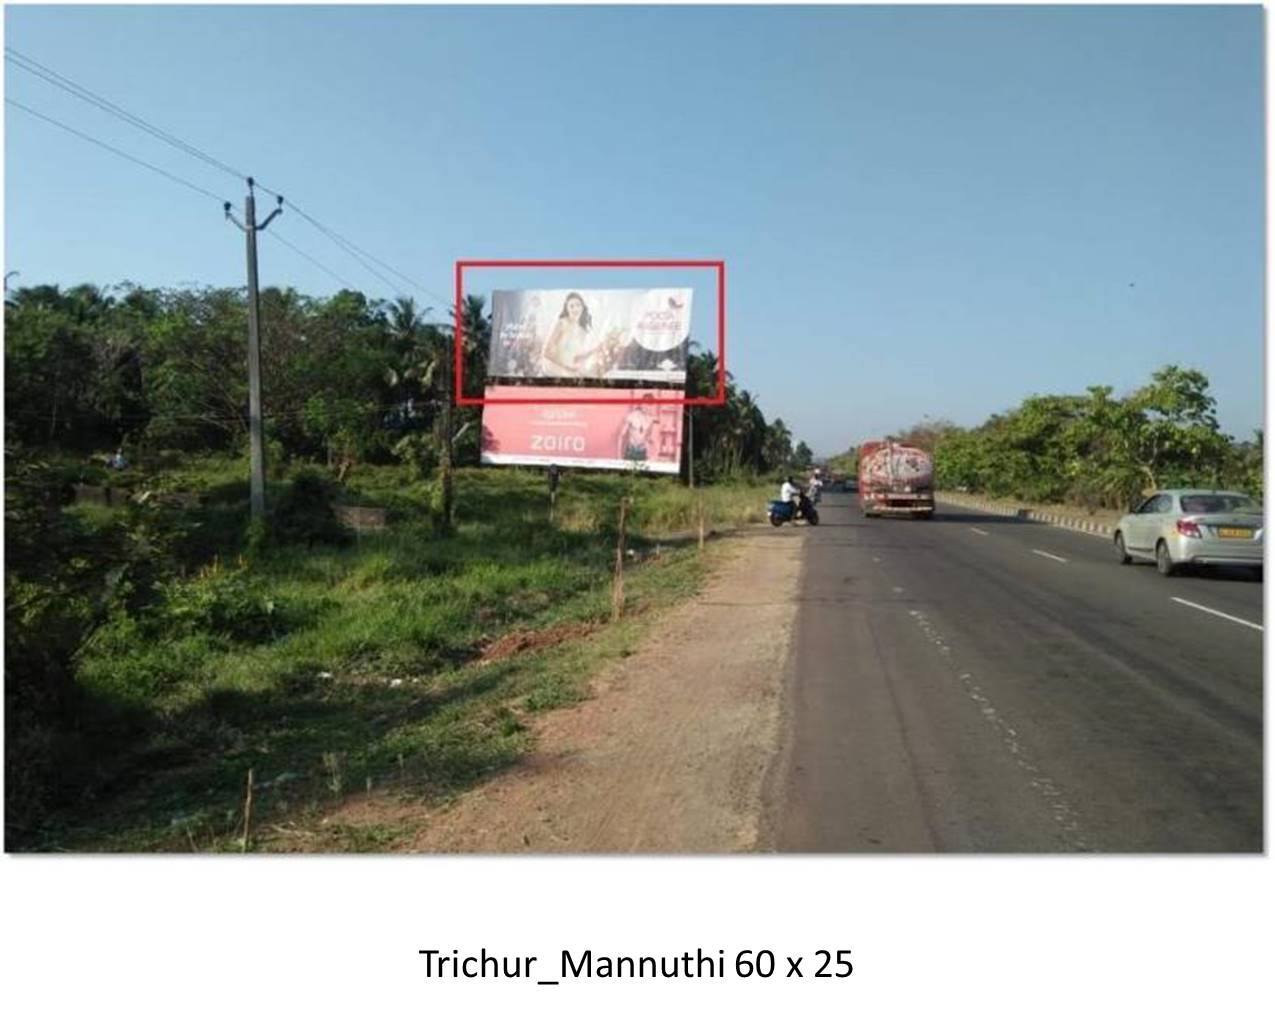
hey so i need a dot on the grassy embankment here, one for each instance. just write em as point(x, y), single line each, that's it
point(404, 661)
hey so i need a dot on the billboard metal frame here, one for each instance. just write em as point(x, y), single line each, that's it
point(718, 266)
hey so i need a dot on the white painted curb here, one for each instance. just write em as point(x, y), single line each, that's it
point(1027, 514)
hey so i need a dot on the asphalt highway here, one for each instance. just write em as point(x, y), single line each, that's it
point(976, 683)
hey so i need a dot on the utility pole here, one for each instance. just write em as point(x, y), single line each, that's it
point(256, 438)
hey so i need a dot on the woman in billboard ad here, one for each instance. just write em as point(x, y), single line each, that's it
point(573, 349)
point(591, 334)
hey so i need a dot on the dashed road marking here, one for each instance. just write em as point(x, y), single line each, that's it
point(978, 531)
point(1215, 612)
point(1049, 555)
point(1064, 814)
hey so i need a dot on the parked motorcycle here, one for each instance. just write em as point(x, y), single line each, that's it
point(782, 512)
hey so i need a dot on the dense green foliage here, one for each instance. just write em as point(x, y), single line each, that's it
point(1095, 449)
point(162, 629)
point(735, 439)
point(153, 370)
point(150, 659)
point(347, 380)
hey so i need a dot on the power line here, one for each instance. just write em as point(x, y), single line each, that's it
point(175, 178)
point(122, 154)
point(32, 66)
point(357, 252)
point(344, 244)
point(24, 62)
point(300, 252)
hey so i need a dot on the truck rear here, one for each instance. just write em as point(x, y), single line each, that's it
point(895, 478)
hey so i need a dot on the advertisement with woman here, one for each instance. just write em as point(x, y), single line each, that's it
point(592, 334)
point(642, 430)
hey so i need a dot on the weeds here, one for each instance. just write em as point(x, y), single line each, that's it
point(331, 667)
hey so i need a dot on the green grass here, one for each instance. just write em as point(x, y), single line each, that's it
point(327, 670)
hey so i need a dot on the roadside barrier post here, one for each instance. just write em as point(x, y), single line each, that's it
point(247, 813)
point(617, 589)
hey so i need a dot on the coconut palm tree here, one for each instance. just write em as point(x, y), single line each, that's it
point(418, 347)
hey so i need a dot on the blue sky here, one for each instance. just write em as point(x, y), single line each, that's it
point(924, 211)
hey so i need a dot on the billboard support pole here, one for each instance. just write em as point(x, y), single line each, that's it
point(690, 445)
point(553, 475)
point(617, 590)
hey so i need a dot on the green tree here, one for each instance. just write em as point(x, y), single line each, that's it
point(1178, 439)
point(777, 446)
point(195, 370)
point(50, 364)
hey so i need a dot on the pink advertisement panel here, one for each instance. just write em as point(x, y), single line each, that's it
point(639, 431)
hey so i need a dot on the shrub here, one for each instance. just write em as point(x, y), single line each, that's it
point(419, 452)
point(231, 604)
point(304, 513)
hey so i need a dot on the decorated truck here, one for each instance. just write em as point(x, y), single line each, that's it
point(895, 478)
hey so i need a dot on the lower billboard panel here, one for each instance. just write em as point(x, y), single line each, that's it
point(640, 431)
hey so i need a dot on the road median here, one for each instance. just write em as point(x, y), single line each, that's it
point(1098, 522)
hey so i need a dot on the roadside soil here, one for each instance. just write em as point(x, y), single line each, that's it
point(668, 753)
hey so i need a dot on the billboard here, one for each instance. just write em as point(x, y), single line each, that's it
point(641, 429)
point(596, 334)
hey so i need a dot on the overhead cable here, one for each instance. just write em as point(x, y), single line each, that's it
point(31, 66)
point(122, 154)
point(85, 94)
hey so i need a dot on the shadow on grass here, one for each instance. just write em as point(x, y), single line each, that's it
point(179, 784)
point(172, 777)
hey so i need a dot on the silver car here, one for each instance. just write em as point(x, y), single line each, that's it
point(1192, 527)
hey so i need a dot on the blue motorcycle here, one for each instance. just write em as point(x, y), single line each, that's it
point(781, 512)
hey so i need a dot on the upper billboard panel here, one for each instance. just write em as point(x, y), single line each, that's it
point(593, 334)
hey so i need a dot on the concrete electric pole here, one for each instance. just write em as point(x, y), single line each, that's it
point(256, 438)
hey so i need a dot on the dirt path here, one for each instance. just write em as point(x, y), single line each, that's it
point(669, 752)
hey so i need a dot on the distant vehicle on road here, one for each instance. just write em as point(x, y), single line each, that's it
point(1192, 527)
point(895, 478)
point(850, 484)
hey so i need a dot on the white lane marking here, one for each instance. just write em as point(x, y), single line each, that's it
point(1049, 555)
point(1106, 537)
point(978, 531)
point(1063, 812)
point(876, 559)
point(1215, 612)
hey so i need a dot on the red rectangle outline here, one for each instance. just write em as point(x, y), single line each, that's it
point(459, 341)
